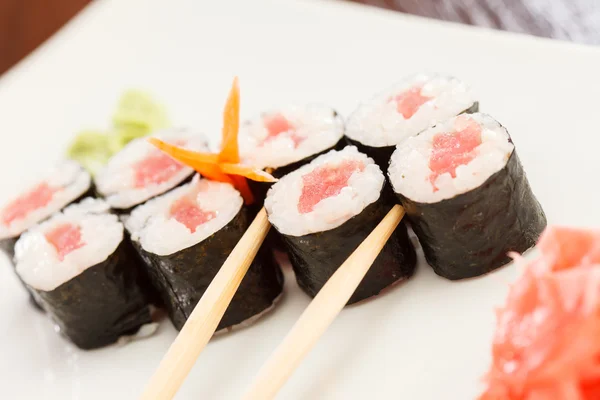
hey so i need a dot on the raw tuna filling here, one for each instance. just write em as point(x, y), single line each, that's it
point(409, 102)
point(187, 212)
point(65, 238)
point(155, 169)
point(453, 149)
point(278, 124)
point(38, 197)
point(324, 182)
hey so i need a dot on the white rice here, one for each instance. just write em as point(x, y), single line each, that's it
point(116, 181)
point(73, 180)
point(409, 166)
point(364, 187)
point(37, 261)
point(378, 123)
point(319, 126)
point(153, 227)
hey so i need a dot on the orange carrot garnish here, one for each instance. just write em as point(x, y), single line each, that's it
point(241, 184)
point(231, 123)
point(182, 154)
point(224, 166)
point(247, 172)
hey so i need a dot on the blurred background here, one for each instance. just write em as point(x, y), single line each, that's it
point(25, 24)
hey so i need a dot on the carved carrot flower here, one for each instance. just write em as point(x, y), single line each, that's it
point(224, 166)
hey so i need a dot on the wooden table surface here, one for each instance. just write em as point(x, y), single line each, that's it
point(574, 20)
point(24, 24)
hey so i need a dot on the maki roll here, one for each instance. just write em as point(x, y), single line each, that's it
point(325, 209)
point(466, 195)
point(185, 236)
point(281, 141)
point(404, 110)
point(60, 186)
point(78, 264)
point(140, 171)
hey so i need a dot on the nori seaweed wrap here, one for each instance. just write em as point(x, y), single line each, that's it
point(404, 110)
point(206, 220)
point(88, 282)
point(325, 210)
point(467, 223)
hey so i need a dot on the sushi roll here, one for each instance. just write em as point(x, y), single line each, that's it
point(466, 195)
point(281, 141)
point(325, 209)
point(61, 185)
point(140, 171)
point(185, 236)
point(78, 264)
point(404, 110)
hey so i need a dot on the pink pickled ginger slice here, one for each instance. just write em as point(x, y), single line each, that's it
point(547, 342)
point(565, 248)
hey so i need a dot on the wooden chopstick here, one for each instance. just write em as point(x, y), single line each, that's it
point(321, 312)
point(203, 321)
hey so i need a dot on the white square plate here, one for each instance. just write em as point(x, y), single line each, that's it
point(427, 339)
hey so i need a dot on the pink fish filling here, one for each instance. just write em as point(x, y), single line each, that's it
point(187, 212)
point(155, 169)
point(38, 197)
point(65, 238)
point(453, 149)
point(324, 182)
point(278, 124)
point(409, 102)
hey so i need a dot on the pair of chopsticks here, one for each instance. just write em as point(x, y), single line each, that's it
point(313, 322)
